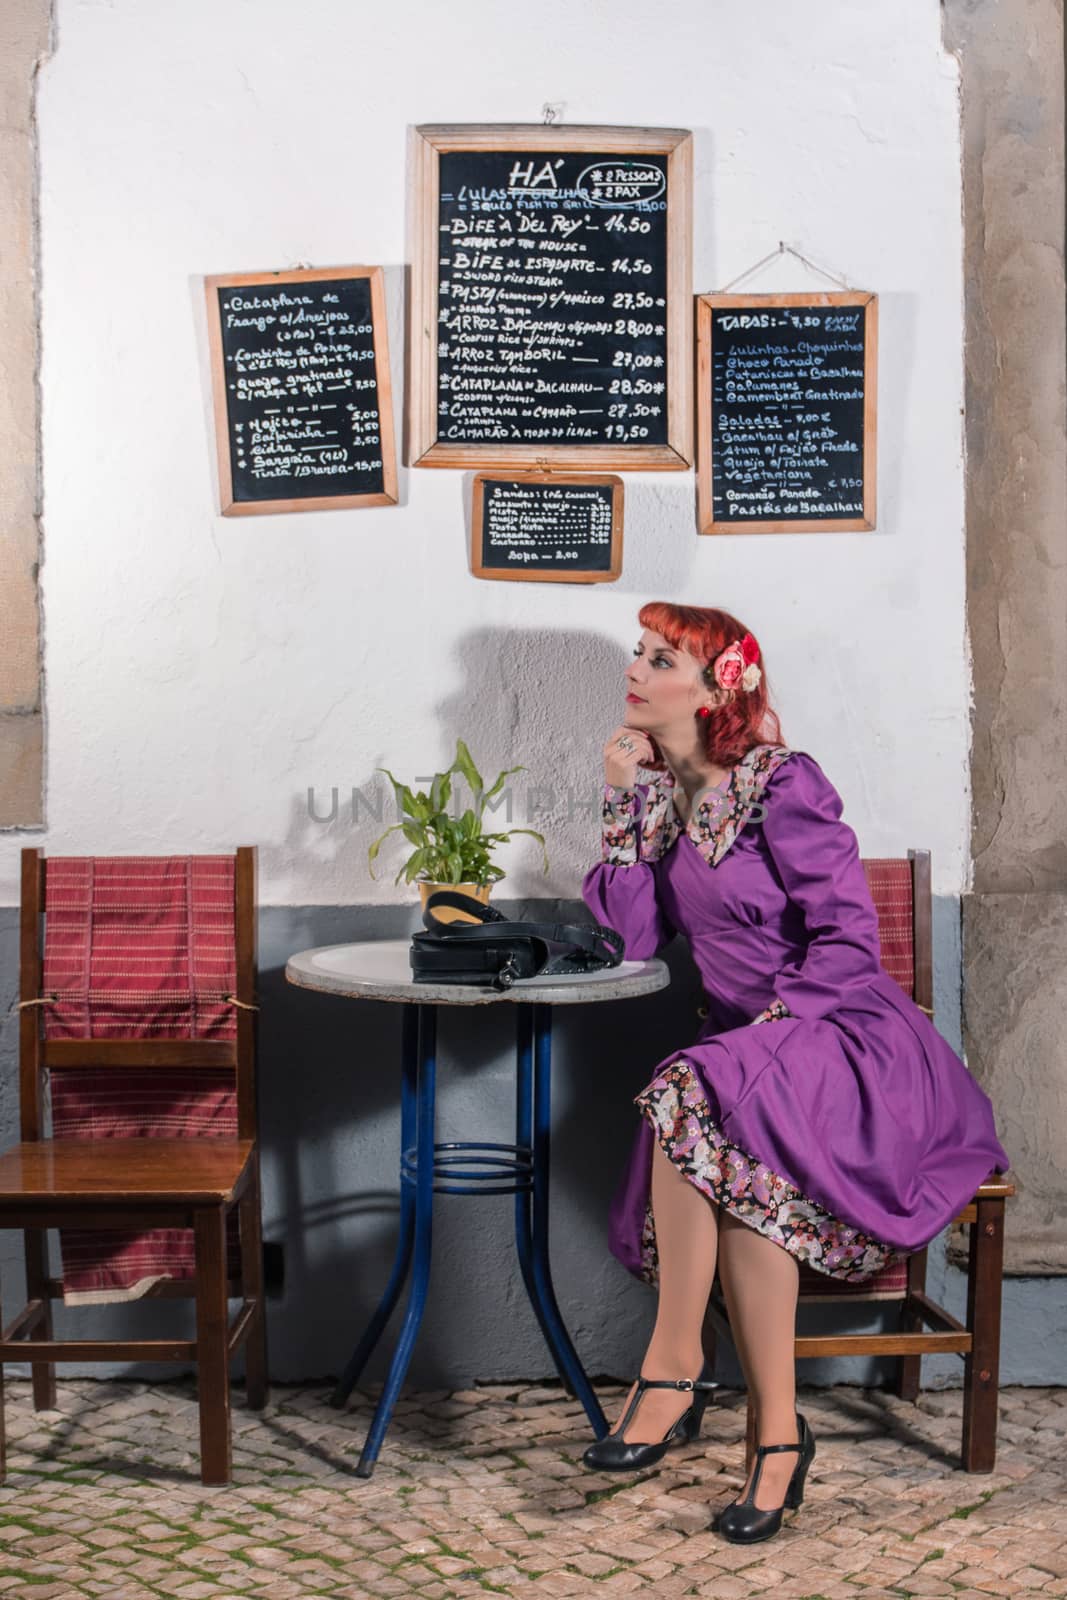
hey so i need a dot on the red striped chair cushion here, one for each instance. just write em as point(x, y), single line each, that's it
point(889, 880)
point(138, 947)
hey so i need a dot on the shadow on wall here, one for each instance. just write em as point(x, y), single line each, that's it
point(543, 700)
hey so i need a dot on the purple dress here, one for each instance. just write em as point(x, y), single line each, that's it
point(843, 1126)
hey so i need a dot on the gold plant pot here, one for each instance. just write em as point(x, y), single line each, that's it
point(477, 891)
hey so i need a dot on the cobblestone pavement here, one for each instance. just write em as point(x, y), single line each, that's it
point(483, 1492)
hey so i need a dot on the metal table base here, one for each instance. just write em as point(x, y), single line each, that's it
point(472, 1168)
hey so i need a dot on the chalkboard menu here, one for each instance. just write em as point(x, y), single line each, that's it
point(303, 403)
point(551, 298)
point(786, 412)
point(550, 528)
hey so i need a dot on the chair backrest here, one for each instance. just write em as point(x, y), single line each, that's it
point(901, 890)
point(147, 963)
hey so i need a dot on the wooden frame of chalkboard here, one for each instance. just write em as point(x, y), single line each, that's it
point(519, 563)
point(316, 379)
point(526, 276)
point(827, 421)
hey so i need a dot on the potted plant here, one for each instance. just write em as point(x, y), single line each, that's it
point(450, 852)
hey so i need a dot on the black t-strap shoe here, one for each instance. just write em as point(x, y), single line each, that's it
point(742, 1521)
point(613, 1454)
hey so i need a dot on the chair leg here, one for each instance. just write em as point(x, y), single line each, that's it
point(256, 1389)
point(908, 1379)
point(212, 1333)
point(981, 1364)
point(43, 1372)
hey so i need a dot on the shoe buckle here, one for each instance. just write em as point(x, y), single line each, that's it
point(684, 1383)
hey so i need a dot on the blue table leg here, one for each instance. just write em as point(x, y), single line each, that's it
point(376, 1326)
point(423, 1185)
point(533, 1244)
point(524, 1098)
point(418, 1175)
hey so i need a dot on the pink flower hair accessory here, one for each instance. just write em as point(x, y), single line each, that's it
point(736, 666)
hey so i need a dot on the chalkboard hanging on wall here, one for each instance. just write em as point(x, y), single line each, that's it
point(551, 297)
point(547, 528)
point(786, 412)
point(303, 399)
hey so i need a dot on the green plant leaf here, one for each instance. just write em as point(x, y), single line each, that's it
point(404, 797)
point(441, 790)
point(413, 866)
point(396, 785)
point(499, 784)
point(372, 852)
point(465, 765)
point(414, 832)
point(539, 837)
point(419, 805)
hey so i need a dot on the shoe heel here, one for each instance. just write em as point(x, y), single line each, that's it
point(695, 1418)
point(690, 1428)
point(795, 1492)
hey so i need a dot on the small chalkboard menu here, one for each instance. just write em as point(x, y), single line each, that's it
point(303, 401)
point(547, 528)
point(551, 298)
point(786, 412)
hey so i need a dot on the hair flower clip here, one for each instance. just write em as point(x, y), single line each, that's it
point(736, 666)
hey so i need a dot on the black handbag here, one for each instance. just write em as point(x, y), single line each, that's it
point(494, 952)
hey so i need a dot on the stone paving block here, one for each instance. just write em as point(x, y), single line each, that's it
point(488, 1485)
point(595, 1563)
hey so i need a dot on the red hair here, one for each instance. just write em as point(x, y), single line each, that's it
point(745, 719)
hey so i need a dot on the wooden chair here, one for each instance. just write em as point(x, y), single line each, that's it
point(143, 1183)
point(901, 892)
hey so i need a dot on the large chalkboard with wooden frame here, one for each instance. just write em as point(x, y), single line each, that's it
point(561, 527)
point(786, 412)
point(303, 400)
point(551, 298)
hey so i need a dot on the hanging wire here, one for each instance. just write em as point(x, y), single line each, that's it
point(773, 255)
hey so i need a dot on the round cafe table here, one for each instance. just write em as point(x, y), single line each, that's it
point(381, 970)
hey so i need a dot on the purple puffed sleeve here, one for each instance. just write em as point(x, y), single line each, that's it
point(620, 890)
point(818, 860)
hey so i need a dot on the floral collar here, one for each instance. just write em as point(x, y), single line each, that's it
point(715, 823)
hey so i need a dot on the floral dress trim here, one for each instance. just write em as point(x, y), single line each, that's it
point(636, 828)
point(618, 835)
point(678, 1111)
point(774, 1011)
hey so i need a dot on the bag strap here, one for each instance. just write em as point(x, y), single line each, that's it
point(462, 902)
point(606, 944)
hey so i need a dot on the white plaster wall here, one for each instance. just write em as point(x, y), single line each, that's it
point(202, 672)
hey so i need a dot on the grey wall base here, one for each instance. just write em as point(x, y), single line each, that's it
point(329, 1123)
